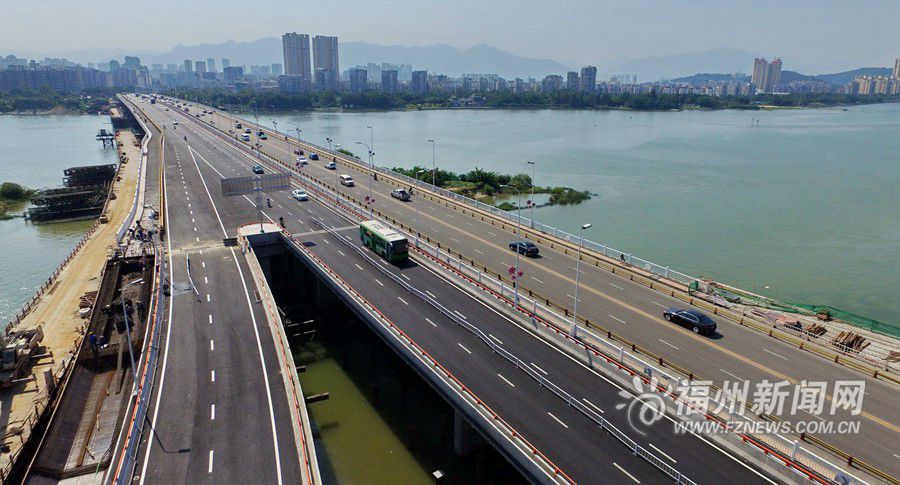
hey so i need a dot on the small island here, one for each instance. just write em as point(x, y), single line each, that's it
point(13, 197)
point(487, 186)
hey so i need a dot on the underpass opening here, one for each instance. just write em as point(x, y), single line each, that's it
point(382, 421)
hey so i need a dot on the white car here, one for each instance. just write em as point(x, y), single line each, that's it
point(302, 160)
point(299, 194)
point(330, 166)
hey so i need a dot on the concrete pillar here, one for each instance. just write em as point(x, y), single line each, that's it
point(462, 435)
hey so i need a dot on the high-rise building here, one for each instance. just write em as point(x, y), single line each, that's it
point(553, 82)
point(897, 69)
point(132, 62)
point(419, 83)
point(325, 58)
point(359, 81)
point(211, 64)
point(588, 79)
point(225, 63)
point(277, 69)
point(766, 75)
point(188, 66)
point(232, 73)
point(295, 48)
point(114, 65)
point(572, 81)
point(200, 66)
point(389, 82)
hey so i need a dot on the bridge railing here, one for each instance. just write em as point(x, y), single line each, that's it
point(775, 448)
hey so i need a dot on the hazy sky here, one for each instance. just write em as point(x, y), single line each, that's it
point(811, 32)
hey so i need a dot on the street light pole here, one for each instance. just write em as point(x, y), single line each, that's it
point(518, 240)
point(531, 202)
point(433, 170)
point(337, 197)
point(369, 199)
point(127, 330)
point(577, 279)
point(420, 172)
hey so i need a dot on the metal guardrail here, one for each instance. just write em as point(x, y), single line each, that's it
point(124, 469)
point(628, 361)
point(520, 442)
point(519, 363)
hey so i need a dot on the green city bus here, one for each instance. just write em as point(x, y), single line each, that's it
point(385, 241)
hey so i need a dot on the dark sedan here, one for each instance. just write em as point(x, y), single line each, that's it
point(695, 320)
point(527, 248)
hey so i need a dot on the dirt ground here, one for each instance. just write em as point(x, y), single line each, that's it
point(57, 311)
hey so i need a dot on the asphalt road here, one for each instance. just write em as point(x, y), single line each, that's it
point(735, 353)
point(219, 393)
point(567, 437)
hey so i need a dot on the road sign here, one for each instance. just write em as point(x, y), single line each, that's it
point(247, 185)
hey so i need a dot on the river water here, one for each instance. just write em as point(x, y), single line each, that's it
point(804, 202)
point(801, 205)
point(34, 150)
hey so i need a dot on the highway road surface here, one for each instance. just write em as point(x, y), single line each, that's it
point(211, 159)
point(735, 353)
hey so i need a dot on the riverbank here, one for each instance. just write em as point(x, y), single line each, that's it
point(13, 197)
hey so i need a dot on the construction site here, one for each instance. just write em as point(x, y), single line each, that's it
point(68, 354)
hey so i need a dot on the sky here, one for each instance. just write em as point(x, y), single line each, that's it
point(822, 33)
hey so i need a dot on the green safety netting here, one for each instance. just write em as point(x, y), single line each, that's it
point(801, 308)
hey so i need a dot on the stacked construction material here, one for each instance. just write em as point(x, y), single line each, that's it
point(82, 197)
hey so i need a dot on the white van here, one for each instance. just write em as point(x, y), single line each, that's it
point(347, 181)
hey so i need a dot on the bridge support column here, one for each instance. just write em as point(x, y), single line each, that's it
point(463, 435)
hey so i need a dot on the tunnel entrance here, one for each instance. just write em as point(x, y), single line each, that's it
point(382, 423)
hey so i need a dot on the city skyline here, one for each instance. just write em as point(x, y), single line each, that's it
point(835, 35)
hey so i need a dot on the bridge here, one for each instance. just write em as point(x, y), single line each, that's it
point(226, 404)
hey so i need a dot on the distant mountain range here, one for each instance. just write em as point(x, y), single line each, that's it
point(485, 59)
point(836, 79)
point(480, 58)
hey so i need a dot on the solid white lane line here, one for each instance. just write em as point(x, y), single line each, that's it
point(212, 412)
point(661, 452)
point(404, 301)
point(729, 373)
point(538, 368)
point(429, 321)
point(564, 425)
point(667, 343)
point(626, 473)
point(464, 347)
point(506, 380)
point(618, 319)
point(376, 280)
point(616, 286)
point(593, 405)
point(495, 338)
point(776, 355)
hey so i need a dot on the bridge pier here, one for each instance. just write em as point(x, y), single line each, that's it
point(464, 439)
